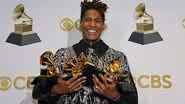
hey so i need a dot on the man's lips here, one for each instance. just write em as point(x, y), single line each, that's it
point(91, 31)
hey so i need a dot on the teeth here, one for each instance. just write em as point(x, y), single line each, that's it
point(91, 30)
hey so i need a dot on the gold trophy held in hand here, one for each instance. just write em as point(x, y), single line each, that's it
point(48, 66)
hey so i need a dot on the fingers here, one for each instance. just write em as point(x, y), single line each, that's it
point(63, 82)
point(102, 87)
point(110, 81)
point(96, 87)
point(77, 88)
point(60, 79)
point(95, 80)
point(73, 79)
point(103, 79)
point(98, 83)
point(98, 90)
point(77, 82)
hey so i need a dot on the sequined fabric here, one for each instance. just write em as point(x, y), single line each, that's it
point(85, 96)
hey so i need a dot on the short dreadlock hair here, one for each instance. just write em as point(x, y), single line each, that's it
point(94, 4)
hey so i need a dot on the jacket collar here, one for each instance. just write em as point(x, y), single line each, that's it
point(99, 47)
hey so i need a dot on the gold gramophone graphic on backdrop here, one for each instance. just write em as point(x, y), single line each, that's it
point(23, 34)
point(145, 32)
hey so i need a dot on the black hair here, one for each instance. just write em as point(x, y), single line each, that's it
point(94, 4)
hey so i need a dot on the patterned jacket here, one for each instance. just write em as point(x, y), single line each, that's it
point(103, 56)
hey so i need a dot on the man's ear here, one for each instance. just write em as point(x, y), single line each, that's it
point(104, 27)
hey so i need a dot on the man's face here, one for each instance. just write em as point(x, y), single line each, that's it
point(92, 25)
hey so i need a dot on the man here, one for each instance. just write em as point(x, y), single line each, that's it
point(105, 89)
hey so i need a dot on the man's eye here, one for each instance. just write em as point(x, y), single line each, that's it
point(98, 21)
point(87, 19)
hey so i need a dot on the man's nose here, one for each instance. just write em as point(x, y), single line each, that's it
point(92, 23)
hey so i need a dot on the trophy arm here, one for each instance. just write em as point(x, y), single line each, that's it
point(149, 15)
point(25, 19)
point(28, 16)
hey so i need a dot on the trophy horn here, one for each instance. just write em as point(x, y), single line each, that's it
point(18, 11)
point(140, 10)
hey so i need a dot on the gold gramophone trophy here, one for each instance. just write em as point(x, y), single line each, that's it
point(145, 32)
point(23, 34)
point(48, 66)
point(50, 71)
point(75, 65)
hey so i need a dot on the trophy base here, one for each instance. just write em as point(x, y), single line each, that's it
point(145, 38)
point(21, 40)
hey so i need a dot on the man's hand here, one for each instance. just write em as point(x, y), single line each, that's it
point(106, 88)
point(72, 85)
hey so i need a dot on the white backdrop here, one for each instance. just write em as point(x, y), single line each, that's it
point(158, 67)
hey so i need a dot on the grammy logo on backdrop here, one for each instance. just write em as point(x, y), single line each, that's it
point(145, 32)
point(23, 34)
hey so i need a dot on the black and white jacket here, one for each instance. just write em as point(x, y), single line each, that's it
point(102, 55)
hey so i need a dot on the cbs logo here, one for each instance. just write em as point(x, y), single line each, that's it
point(154, 81)
point(67, 24)
point(19, 83)
point(143, 81)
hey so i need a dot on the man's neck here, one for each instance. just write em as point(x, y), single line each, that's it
point(91, 42)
